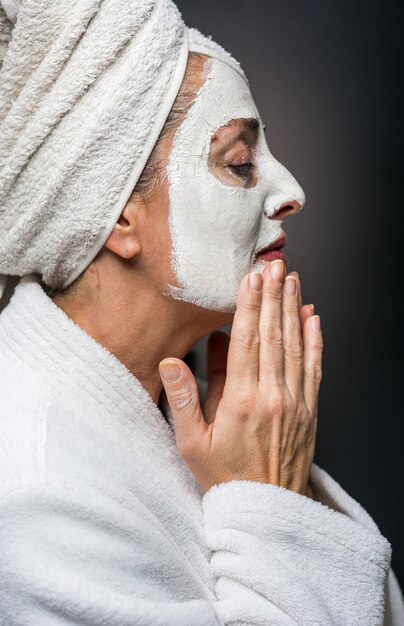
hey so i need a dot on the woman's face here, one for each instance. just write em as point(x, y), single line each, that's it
point(227, 195)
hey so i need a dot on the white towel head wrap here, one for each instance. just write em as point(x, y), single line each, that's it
point(85, 89)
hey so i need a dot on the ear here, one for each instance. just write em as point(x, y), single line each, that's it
point(124, 239)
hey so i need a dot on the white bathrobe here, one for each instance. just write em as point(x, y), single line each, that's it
point(102, 522)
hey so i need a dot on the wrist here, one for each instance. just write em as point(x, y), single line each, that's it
point(309, 492)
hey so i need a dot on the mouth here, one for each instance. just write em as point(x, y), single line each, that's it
point(272, 251)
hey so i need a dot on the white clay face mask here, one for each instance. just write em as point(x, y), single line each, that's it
point(216, 228)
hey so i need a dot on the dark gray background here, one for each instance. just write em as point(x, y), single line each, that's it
point(324, 77)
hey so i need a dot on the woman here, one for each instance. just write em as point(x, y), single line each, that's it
point(123, 502)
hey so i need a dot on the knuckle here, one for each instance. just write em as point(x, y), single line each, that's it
point(275, 292)
point(273, 333)
point(293, 349)
point(290, 306)
point(252, 306)
point(278, 403)
point(248, 340)
point(182, 399)
point(315, 373)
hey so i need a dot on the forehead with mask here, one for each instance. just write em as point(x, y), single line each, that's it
point(227, 192)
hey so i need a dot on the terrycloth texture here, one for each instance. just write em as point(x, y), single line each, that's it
point(85, 89)
point(102, 523)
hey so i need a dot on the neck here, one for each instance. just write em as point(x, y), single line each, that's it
point(139, 331)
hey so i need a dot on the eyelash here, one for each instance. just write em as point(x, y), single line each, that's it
point(240, 171)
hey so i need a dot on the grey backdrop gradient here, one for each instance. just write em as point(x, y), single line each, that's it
point(324, 77)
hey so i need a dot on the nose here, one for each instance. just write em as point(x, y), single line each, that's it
point(285, 197)
point(286, 209)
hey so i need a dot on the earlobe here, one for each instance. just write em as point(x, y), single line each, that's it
point(125, 249)
point(124, 239)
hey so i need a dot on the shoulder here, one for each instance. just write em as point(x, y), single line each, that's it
point(24, 400)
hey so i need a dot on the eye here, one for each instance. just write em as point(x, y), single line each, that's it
point(243, 169)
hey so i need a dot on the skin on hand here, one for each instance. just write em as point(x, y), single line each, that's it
point(261, 413)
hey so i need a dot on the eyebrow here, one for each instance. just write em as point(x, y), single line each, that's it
point(249, 123)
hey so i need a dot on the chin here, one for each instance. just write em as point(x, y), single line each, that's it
point(214, 300)
point(259, 266)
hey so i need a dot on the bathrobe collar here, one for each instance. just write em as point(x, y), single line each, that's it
point(80, 368)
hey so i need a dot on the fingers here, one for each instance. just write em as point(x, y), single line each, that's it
point(272, 337)
point(182, 394)
point(311, 353)
point(218, 346)
point(313, 350)
point(305, 310)
point(299, 286)
point(270, 324)
point(243, 354)
point(292, 337)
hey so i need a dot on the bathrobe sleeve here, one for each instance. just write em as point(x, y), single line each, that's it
point(329, 492)
point(72, 556)
point(282, 558)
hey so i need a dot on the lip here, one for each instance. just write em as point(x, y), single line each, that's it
point(279, 243)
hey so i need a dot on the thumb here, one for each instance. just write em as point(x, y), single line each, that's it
point(183, 397)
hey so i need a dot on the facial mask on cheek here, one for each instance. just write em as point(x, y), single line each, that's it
point(215, 227)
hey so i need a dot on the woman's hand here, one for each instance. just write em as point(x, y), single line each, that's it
point(261, 408)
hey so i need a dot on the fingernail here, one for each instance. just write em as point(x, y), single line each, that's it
point(294, 273)
point(170, 371)
point(315, 322)
point(277, 269)
point(290, 286)
point(312, 306)
point(256, 281)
